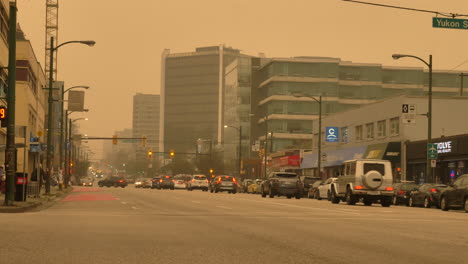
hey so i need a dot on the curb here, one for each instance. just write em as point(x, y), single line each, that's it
point(36, 206)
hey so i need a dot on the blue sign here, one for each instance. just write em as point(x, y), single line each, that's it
point(332, 134)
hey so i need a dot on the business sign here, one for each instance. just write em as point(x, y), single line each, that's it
point(408, 113)
point(444, 147)
point(332, 134)
point(453, 23)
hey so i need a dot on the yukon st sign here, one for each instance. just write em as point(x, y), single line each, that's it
point(439, 22)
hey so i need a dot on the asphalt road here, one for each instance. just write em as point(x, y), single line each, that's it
point(115, 225)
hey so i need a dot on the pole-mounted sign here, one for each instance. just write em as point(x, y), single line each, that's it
point(332, 134)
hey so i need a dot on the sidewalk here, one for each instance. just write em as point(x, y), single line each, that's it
point(33, 203)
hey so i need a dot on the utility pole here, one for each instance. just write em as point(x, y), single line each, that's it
point(10, 152)
point(49, 118)
point(265, 149)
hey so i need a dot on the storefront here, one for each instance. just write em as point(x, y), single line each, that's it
point(390, 151)
point(451, 162)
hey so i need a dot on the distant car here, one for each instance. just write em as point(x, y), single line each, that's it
point(245, 185)
point(198, 182)
point(307, 181)
point(113, 181)
point(282, 183)
point(143, 183)
point(87, 182)
point(324, 190)
point(402, 191)
point(166, 182)
point(312, 193)
point(155, 182)
point(456, 195)
point(426, 195)
point(224, 183)
point(181, 180)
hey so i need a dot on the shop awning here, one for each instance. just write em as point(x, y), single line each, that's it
point(333, 158)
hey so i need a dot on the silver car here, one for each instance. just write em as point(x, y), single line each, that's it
point(198, 181)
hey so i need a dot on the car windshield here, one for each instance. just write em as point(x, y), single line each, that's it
point(286, 175)
point(226, 178)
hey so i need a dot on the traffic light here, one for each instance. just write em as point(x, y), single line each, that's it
point(211, 171)
point(114, 139)
point(171, 154)
point(150, 154)
point(143, 142)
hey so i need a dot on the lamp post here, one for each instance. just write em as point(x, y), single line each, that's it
point(62, 163)
point(51, 102)
point(429, 111)
point(67, 153)
point(319, 158)
point(239, 129)
point(71, 121)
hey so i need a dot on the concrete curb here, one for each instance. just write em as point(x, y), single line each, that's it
point(36, 206)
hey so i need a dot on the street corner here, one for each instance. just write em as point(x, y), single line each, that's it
point(89, 197)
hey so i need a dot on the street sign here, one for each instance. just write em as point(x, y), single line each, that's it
point(431, 151)
point(408, 113)
point(433, 163)
point(332, 134)
point(453, 23)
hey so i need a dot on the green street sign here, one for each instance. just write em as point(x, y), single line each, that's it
point(440, 22)
point(431, 151)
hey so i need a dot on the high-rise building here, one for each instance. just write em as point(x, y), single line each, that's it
point(146, 123)
point(192, 94)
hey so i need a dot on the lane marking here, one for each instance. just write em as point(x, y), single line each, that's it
point(134, 208)
point(224, 207)
point(123, 202)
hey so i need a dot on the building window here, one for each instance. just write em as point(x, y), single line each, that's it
point(395, 126)
point(344, 134)
point(358, 132)
point(370, 131)
point(382, 128)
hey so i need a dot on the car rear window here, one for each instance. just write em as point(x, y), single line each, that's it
point(199, 178)
point(408, 187)
point(226, 178)
point(374, 166)
point(286, 175)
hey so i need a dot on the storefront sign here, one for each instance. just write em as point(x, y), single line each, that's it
point(332, 134)
point(444, 147)
point(293, 160)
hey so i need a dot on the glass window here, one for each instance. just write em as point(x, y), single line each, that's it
point(382, 128)
point(370, 131)
point(374, 166)
point(344, 134)
point(358, 132)
point(395, 126)
point(352, 168)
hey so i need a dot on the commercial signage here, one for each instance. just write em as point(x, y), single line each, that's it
point(293, 160)
point(453, 23)
point(444, 147)
point(331, 134)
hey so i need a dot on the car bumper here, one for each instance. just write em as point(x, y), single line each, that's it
point(201, 186)
point(287, 191)
point(374, 193)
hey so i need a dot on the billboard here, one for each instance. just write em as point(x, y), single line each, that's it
point(76, 101)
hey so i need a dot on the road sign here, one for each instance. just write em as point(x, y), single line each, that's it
point(453, 23)
point(332, 134)
point(408, 113)
point(431, 151)
point(433, 163)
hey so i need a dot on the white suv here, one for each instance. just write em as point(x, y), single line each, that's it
point(198, 182)
point(369, 179)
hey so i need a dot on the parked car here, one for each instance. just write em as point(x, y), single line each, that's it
point(224, 183)
point(245, 185)
point(143, 183)
point(198, 182)
point(367, 179)
point(456, 195)
point(307, 181)
point(313, 192)
point(166, 182)
point(181, 180)
point(113, 181)
point(324, 190)
point(155, 182)
point(426, 195)
point(402, 191)
point(282, 183)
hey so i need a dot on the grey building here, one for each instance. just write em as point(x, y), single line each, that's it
point(146, 117)
point(192, 94)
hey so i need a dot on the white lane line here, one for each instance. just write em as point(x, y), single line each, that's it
point(134, 208)
point(196, 202)
point(224, 207)
point(123, 202)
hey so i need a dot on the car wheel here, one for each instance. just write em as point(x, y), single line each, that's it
point(263, 193)
point(427, 203)
point(216, 191)
point(410, 202)
point(386, 201)
point(172, 188)
point(309, 196)
point(298, 196)
point(394, 200)
point(328, 196)
point(289, 196)
point(443, 204)
point(271, 194)
point(122, 186)
point(233, 192)
point(367, 202)
point(466, 205)
point(350, 198)
point(334, 199)
point(317, 195)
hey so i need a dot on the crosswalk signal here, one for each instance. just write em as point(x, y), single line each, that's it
point(143, 142)
point(171, 154)
point(114, 139)
point(3, 112)
point(150, 154)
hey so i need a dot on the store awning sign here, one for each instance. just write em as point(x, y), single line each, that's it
point(332, 134)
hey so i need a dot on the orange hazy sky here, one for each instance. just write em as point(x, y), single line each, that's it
point(131, 35)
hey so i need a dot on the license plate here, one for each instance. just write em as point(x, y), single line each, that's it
point(225, 183)
point(373, 192)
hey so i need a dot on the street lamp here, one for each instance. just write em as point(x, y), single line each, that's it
point(239, 129)
point(68, 162)
point(51, 102)
point(319, 158)
point(62, 120)
point(429, 111)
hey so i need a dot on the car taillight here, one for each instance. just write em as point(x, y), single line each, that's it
point(160, 180)
point(433, 190)
point(207, 181)
point(153, 180)
point(193, 180)
point(120, 181)
point(401, 192)
point(234, 180)
point(389, 189)
point(173, 181)
point(218, 182)
point(358, 187)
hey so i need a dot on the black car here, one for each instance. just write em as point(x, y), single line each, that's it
point(166, 182)
point(456, 195)
point(155, 182)
point(426, 195)
point(282, 183)
point(307, 181)
point(402, 192)
point(113, 181)
point(313, 190)
point(224, 183)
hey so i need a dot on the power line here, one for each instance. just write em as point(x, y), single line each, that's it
point(452, 15)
